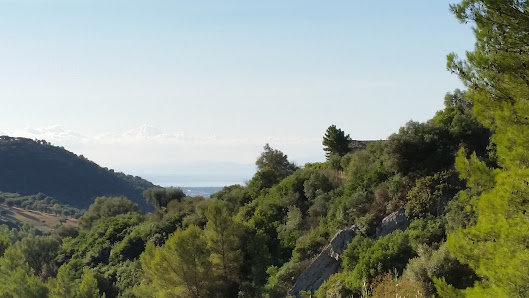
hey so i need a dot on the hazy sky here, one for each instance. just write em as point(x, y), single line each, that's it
point(146, 86)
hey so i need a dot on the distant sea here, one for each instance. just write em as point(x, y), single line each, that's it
point(196, 185)
point(196, 180)
point(206, 192)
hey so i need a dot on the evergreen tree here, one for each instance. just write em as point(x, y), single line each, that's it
point(335, 142)
point(497, 76)
point(160, 197)
point(104, 207)
point(16, 278)
point(65, 285)
point(88, 287)
point(276, 161)
point(222, 235)
point(180, 268)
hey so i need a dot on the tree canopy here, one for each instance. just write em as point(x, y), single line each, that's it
point(497, 77)
point(160, 197)
point(336, 142)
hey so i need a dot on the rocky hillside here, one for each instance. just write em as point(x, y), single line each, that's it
point(35, 166)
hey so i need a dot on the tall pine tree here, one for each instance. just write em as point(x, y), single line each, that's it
point(180, 268)
point(497, 76)
point(335, 142)
point(222, 235)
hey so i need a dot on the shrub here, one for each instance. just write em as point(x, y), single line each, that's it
point(389, 286)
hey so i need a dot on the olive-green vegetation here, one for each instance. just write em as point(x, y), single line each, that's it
point(39, 202)
point(41, 212)
point(461, 177)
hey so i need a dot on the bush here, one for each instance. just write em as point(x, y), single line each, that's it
point(354, 251)
point(389, 253)
point(334, 287)
point(426, 232)
point(106, 207)
point(431, 264)
point(430, 195)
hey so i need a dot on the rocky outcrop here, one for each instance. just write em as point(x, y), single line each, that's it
point(395, 221)
point(326, 263)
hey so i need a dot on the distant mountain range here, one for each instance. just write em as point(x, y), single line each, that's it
point(35, 166)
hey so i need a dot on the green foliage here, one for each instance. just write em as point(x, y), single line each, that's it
point(88, 287)
point(271, 213)
point(66, 284)
point(334, 162)
point(39, 202)
point(222, 236)
point(256, 256)
point(133, 244)
point(478, 176)
point(388, 253)
point(420, 147)
point(319, 183)
point(180, 268)
point(426, 148)
point(495, 246)
point(126, 276)
point(310, 245)
point(272, 167)
point(160, 197)
point(16, 278)
point(106, 207)
point(275, 160)
point(290, 231)
point(93, 246)
point(280, 280)
point(262, 181)
point(334, 287)
point(335, 142)
point(64, 231)
point(437, 263)
point(234, 195)
point(354, 251)
point(5, 242)
point(39, 253)
point(367, 168)
point(430, 195)
point(70, 283)
point(446, 290)
point(430, 231)
point(460, 214)
point(198, 215)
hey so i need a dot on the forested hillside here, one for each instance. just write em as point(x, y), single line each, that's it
point(459, 182)
point(29, 167)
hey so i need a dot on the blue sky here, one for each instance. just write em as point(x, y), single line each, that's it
point(152, 86)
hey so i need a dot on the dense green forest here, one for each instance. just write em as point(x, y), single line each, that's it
point(457, 185)
point(29, 167)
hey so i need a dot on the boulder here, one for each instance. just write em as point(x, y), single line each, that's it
point(325, 264)
point(395, 221)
